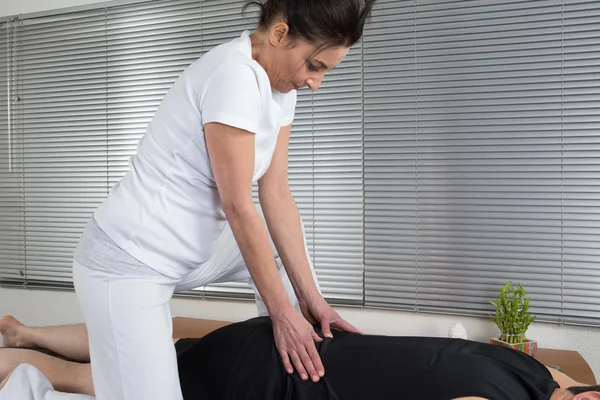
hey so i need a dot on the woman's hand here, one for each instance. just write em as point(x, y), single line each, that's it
point(295, 340)
point(318, 312)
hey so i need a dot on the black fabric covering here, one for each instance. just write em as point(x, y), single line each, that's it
point(240, 361)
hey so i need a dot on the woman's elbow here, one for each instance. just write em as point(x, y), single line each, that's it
point(236, 209)
point(273, 193)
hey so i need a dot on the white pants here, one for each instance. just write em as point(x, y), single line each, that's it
point(27, 382)
point(128, 316)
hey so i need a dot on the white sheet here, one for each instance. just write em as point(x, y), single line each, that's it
point(28, 383)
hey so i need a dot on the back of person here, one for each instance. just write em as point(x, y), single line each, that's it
point(240, 361)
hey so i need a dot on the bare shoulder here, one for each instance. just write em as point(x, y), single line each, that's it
point(563, 380)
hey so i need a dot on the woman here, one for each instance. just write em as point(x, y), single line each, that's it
point(184, 217)
point(237, 361)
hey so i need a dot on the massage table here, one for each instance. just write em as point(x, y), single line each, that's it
point(28, 383)
point(568, 361)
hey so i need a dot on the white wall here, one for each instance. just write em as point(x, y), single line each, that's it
point(38, 307)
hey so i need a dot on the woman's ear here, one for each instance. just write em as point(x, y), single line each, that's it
point(279, 35)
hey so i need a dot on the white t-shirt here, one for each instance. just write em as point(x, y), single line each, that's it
point(166, 210)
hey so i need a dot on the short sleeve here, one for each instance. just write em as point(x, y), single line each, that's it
point(290, 108)
point(232, 97)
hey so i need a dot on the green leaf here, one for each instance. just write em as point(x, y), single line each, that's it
point(512, 312)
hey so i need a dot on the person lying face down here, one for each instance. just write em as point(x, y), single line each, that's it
point(240, 361)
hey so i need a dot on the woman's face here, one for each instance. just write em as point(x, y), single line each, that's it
point(298, 64)
point(302, 67)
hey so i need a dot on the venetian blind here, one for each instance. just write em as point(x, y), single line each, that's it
point(12, 244)
point(90, 82)
point(479, 142)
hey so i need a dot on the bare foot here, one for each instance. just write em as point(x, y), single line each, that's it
point(12, 332)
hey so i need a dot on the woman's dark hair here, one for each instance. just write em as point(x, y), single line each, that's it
point(325, 22)
point(583, 389)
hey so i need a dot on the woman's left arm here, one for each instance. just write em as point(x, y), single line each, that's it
point(283, 221)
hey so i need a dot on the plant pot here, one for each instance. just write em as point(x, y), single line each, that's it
point(527, 346)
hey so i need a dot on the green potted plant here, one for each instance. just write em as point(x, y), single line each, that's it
point(513, 319)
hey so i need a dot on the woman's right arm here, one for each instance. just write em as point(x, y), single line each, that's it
point(231, 152)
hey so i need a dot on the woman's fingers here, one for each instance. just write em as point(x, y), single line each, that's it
point(286, 362)
point(295, 339)
point(316, 337)
point(316, 360)
point(326, 329)
point(296, 360)
point(346, 326)
point(307, 361)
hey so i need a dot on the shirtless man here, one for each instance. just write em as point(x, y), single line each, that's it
point(240, 360)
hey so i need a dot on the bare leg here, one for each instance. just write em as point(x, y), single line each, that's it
point(65, 376)
point(70, 341)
